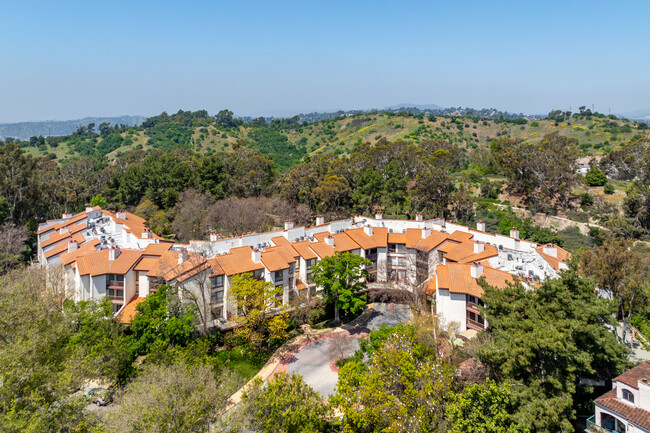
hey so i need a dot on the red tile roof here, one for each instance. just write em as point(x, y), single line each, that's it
point(457, 278)
point(97, 262)
point(128, 313)
point(562, 255)
point(633, 414)
point(238, 261)
point(62, 247)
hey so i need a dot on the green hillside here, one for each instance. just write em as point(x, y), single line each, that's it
point(287, 141)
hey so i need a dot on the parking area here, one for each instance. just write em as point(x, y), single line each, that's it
point(315, 361)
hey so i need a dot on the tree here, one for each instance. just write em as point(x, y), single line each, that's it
point(255, 300)
point(174, 398)
point(161, 317)
point(623, 273)
point(286, 404)
point(12, 245)
point(542, 342)
point(402, 386)
point(342, 276)
point(483, 408)
point(98, 200)
point(595, 177)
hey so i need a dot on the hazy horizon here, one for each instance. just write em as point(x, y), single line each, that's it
point(75, 59)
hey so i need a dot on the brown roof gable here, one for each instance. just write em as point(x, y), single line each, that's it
point(457, 278)
point(238, 261)
point(97, 262)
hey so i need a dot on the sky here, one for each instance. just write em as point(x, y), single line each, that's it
point(73, 59)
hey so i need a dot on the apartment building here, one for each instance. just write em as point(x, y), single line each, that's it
point(115, 255)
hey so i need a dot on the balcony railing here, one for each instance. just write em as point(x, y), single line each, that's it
point(472, 306)
point(475, 325)
point(595, 428)
point(113, 284)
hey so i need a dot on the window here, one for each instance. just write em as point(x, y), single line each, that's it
point(310, 263)
point(627, 395)
point(259, 274)
point(115, 286)
point(278, 276)
point(397, 248)
point(217, 281)
point(116, 308)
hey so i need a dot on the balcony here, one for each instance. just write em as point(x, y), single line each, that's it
point(475, 325)
point(595, 428)
point(112, 284)
point(472, 306)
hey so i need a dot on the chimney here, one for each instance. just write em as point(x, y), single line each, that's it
point(256, 255)
point(479, 247)
point(476, 270)
point(89, 209)
point(480, 226)
point(329, 240)
point(426, 232)
point(66, 216)
point(183, 256)
point(320, 220)
point(63, 230)
point(72, 246)
point(514, 233)
point(146, 234)
point(368, 230)
point(121, 214)
point(113, 253)
point(288, 225)
point(418, 217)
point(550, 249)
point(379, 216)
point(214, 236)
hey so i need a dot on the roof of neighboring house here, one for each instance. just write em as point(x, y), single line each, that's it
point(128, 313)
point(430, 242)
point(431, 286)
point(166, 262)
point(635, 415)
point(322, 249)
point(157, 249)
point(342, 242)
point(634, 375)
point(461, 236)
point(562, 255)
point(146, 263)
point(489, 251)
point(132, 224)
point(377, 240)
point(75, 218)
point(304, 249)
point(63, 246)
point(413, 237)
point(55, 238)
point(238, 261)
point(397, 238)
point(457, 278)
point(448, 245)
point(97, 262)
point(464, 252)
point(86, 247)
point(277, 258)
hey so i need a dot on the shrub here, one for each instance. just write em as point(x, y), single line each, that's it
point(595, 177)
point(608, 188)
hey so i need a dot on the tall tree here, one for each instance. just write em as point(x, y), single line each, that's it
point(341, 277)
point(286, 404)
point(257, 311)
point(542, 342)
point(622, 272)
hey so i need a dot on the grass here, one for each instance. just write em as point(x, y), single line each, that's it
point(243, 361)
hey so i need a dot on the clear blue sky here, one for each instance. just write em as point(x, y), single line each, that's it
point(71, 59)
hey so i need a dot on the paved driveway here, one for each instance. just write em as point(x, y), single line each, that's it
point(313, 362)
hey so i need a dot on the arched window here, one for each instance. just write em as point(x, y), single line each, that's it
point(627, 395)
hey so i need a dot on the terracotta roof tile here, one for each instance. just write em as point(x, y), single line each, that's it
point(146, 264)
point(431, 286)
point(633, 414)
point(489, 251)
point(304, 249)
point(434, 240)
point(397, 238)
point(238, 261)
point(157, 249)
point(62, 247)
point(448, 246)
point(129, 311)
point(322, 249)
point(457, 278)
point(634, 375)
point(86, 247)
point(97, 262)
point(562, 255)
